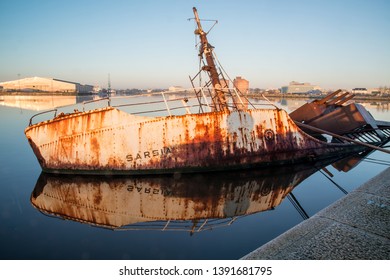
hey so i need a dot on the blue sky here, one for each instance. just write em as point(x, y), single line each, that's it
point(150, 44)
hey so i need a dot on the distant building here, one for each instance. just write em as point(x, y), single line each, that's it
point(176, 88)
point(359, 91)
point(374, 91)
point(96, 89)
point(39, 84)
point(272, 91)
point(241, 84)
point(295, 87)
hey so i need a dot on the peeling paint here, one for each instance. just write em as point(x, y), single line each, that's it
point(111, 141)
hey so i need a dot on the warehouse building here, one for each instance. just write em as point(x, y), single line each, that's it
point(38, 84)
point(295, 87)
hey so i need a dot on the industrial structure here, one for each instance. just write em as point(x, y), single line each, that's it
point(241, 84)
point(209, 133)
point(176, 89)
point(296, 87)
point(39, 84)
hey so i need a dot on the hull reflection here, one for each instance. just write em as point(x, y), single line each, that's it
point(192, 202)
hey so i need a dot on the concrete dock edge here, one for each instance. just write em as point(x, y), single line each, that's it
point(356, 227)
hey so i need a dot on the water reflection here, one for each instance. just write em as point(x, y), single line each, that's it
point(190, 202)
point(41, 102)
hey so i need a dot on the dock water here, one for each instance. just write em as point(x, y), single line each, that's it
point(356, 227)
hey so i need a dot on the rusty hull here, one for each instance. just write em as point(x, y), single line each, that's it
point(110, 141)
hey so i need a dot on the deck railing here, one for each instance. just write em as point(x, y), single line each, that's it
point(186, 103)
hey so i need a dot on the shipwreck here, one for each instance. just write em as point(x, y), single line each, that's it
point(218, 129)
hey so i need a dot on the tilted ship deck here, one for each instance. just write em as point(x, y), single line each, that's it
point(221, 131)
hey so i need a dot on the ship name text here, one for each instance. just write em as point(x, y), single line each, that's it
point(149, 154)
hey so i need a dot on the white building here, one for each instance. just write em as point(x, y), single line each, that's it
point(176, 88)
point(360, 91)
point(39, 84)
point(296, 87)
point(373, 91)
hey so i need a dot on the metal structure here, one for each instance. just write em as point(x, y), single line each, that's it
point(109, 85)
point(222, 134)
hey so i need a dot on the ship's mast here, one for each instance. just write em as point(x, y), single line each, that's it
point(206, 50)
point(109, 85)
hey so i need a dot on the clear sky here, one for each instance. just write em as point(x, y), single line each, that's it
point(151, 44)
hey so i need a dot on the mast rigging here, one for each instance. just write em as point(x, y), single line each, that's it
point(206, 51)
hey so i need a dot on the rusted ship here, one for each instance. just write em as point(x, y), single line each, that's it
point(218, 129)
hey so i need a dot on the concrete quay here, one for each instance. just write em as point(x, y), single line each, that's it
point(356, 227)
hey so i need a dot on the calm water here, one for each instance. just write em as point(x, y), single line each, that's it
point(228, 214)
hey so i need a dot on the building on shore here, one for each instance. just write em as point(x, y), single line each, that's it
point(360, 91)
point(296, 87)
point(176, 89)
point(39, 84)
point(371, 91)
point(241, 84)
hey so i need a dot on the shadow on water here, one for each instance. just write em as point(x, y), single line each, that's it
point(183, 202)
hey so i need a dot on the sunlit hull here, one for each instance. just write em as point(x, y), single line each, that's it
point(110, 141)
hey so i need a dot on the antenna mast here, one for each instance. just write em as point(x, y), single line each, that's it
point(109, 85)
point(206, 50)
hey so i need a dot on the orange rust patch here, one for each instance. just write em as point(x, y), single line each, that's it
point(97, 198)
point(95, 144)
